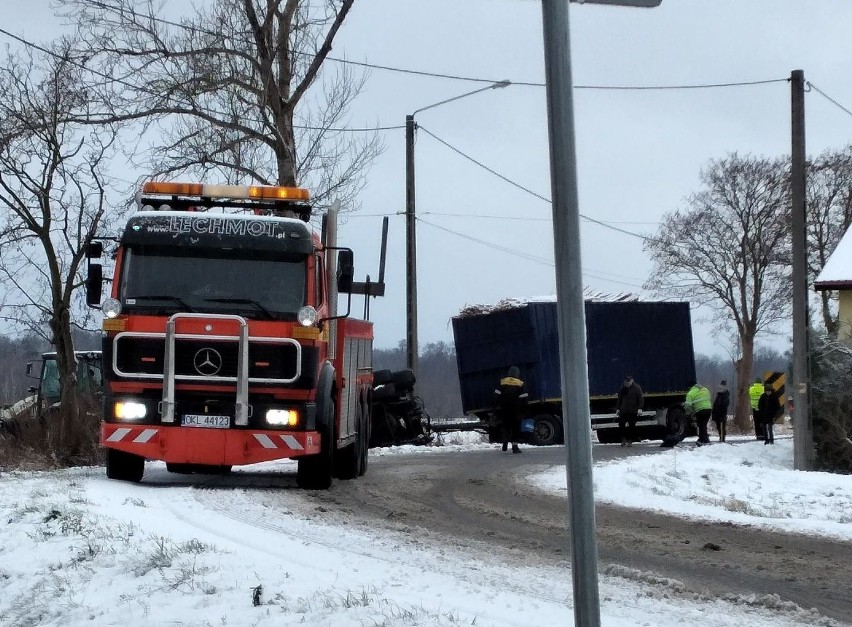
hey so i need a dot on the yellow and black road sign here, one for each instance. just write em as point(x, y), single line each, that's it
point(775, 382)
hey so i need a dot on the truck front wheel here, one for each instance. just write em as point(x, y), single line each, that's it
point(124, 466)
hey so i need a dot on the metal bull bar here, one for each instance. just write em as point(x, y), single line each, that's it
point(241, 408)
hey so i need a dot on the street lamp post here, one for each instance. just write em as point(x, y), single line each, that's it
point(570, 304)
point(411, 228)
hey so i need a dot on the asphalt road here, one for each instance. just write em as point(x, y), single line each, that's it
point(476, 497)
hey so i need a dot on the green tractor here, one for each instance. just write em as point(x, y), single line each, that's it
point(89, 381)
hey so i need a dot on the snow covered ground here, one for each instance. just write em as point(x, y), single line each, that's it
point(77, 549)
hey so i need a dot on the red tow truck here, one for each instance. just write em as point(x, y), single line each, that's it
point(222, 343)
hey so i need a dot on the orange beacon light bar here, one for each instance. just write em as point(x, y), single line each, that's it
point(256, 192)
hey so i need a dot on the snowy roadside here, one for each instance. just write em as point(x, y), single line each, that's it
point(79, 549)
point(744, 482)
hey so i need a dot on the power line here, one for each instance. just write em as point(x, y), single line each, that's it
point(827, 97)
point(470, 79)
point(680, 87)
point(542, 260)
point(521, 187)
point(35, 46)
point(517, 253)
point(488, 217)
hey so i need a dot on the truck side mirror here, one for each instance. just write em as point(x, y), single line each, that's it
point(95, 277)
point(29, 368)
point(94, 282)
point(345, 271)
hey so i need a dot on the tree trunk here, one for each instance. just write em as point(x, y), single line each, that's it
point(744, 365)
point(63, 433)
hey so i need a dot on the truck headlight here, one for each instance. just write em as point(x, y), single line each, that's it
point(130, 410)
point(282, 417)
point(111, 307)
point(307, 316)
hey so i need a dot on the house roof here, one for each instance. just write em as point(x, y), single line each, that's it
point(837, 272)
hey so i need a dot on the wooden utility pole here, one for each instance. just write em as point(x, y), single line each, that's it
point(411, 348)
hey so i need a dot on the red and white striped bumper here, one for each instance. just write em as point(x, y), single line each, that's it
point(193, 445)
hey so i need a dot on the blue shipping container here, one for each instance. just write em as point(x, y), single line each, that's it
point(650, 340)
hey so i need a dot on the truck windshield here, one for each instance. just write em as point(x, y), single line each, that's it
point(258, 284)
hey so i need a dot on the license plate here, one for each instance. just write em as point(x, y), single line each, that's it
point(202, 420)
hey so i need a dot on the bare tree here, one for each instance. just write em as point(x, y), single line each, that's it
point(52, 202)
point(829, 215)
point(729, 249)
point(237, 90)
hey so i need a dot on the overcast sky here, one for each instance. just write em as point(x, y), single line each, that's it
point(639, 152)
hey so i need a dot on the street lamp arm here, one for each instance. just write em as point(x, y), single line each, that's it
point(410, 228)
point(496, 85)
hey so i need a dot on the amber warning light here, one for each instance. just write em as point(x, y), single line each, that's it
point(257, 192)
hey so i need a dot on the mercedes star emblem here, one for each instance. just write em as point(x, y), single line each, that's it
point(207, 362)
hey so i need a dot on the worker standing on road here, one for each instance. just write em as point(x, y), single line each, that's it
point(767, 410)
point(720, 409)
point(698, 404)
point(511, 401)
point(630, 402)
point(754, 393)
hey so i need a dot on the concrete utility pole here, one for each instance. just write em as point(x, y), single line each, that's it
point(411, 344)
point(803, 443)
point(571, 306)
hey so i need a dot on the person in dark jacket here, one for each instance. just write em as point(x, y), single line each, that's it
point(511, 403)
point(629, 404)
point(720, 409)
point(767, 410)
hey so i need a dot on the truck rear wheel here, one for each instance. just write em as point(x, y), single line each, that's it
point(348, 461)
point(124, 466)
point(677, 422)
point(365, 436)
point(315, 472)
point(547, 430)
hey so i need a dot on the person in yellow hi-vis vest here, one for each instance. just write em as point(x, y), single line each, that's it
point(699, 405)
point(754, 394)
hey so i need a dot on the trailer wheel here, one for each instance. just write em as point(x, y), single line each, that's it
point(124, 466)
point(608, 436)
point(494, 435)
point(676, 422)
point(547, 430)
point(315, 472)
